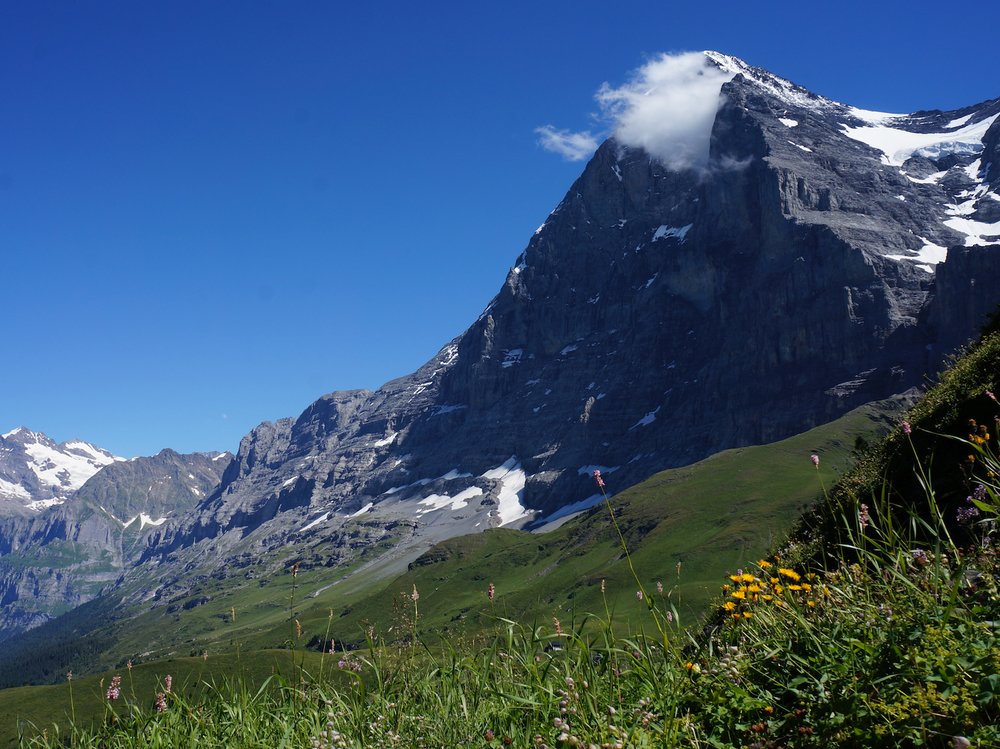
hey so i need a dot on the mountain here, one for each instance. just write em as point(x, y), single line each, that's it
point(36, 473)
point(72, 530)
point(820, 257)
point(658, 316)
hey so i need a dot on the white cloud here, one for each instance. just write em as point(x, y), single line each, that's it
point(667, 108)
point(571, 146)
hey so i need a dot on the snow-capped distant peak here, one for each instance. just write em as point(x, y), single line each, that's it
point(37, 468)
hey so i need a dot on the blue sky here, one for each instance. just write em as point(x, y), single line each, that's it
point(213, 213)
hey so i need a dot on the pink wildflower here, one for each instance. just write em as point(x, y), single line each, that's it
point(490, 592)
point(638, 595)
point(114, 690)
point(863, 517)
point(989, 394)
point(598, 480)
point(815, 459)
point(659, 587)
point(168, 683)
point(907, 429)
point(161, 702)
point(414, 596)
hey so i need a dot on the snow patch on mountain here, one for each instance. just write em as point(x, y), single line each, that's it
point(511, 496)
point(898, 145)
point(928, 255)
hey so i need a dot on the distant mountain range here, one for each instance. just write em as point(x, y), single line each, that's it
point(822, 258)
point(73, 517)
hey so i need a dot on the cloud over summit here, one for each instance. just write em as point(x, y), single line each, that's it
point(667, 108)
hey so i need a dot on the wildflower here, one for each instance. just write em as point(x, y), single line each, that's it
point(989, 394)
point(168, 683)
point(791, 574)
point(659, 587)
point(967, 513)
point(69, 676)
point(295, 570)
point(746, 577)
point(815, 460)
point(907, 428)
point(414, 596)
point(764, 564)
point(920, 557)
point(736, 578)
point(739, 594)
point(769, 710)
point(298, 630)
point(161, 702)
point(810, 604)
point(128, 664)
point(558, 626)
point(729, 605)
point(747, 615)
point(490, 592)
point(670, 616)
point(114, 689)
point(602, 586)
point(598, 480)
point(489, 735)
point(863, 516)
point(638, 595)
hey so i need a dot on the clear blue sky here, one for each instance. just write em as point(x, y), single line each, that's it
point(212, 213)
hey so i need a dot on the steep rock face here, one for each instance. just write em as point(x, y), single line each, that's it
point(655, 318)
point(56, 555)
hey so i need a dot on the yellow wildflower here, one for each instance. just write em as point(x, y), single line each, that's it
point(763, 564)
point(729, 605)
point(791, 574)
point(795, 587)
point(747, 615)
point(727, 586)
point(810, 604)
point(806, 587)
point(747, 577)
point(767, 598)
point(754, 589)
point(739, 594)
point(736, 578)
